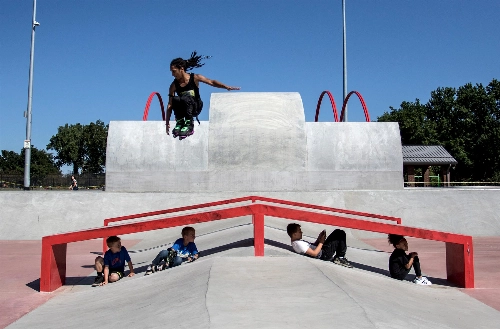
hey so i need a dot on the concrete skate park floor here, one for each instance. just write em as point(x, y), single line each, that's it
point(229, 287)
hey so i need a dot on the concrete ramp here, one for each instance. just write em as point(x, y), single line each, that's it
point(254, 142)
point(355, 155)
point(263, 292)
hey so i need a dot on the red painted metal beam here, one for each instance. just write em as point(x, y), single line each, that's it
point(253, 199)
point(459, 260)
point(53, 263)
point(460, 265)
point(258, 234)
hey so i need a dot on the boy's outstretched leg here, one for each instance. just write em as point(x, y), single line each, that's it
point(99, 267)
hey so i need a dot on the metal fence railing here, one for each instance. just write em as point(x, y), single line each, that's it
point(54, 182)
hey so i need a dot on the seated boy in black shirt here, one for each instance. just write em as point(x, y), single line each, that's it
point(400, 263)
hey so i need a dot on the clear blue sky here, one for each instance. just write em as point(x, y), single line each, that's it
point(98, 59)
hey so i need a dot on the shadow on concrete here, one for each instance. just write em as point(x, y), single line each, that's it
point(277, 244)
point(88, 280)
point(410, 277)
point(35, 285)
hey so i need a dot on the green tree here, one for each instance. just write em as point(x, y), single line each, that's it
point(466, 121)
point(41, 163)
point(11, 163)
point(81, 146)
point(96, 135)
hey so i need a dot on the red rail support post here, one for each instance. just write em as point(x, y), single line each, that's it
point(53, 262)
point(460, 263)
point(258, 233)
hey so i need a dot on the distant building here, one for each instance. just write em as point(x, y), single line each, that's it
point(425, 156)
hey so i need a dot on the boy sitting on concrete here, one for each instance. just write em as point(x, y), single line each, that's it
point(324, 248)
point(182, 250)
point(400, 263)
point(113, 263)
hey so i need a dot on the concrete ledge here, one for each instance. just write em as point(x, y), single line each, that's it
point(29, 215)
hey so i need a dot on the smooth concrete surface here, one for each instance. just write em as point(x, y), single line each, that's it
point(254, 142)
point(28, 215)
point(350, 155)
point(229, 287)
point(139, 155)
point(265, 292)
point(257, 132)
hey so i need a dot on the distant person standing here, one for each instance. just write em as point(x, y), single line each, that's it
point(74, 184)
point(187, 104)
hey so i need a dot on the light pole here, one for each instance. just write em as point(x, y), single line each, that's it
point(345, 60)
point(27, 141)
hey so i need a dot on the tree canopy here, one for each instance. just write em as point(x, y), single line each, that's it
point(466, 121)
point(42, 163)
point(81, 146)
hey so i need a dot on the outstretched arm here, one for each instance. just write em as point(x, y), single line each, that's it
point(213, 83)
point(171, 92)
point(131, 268)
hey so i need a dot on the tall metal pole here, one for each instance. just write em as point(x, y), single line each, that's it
point(345, 60)
point(27, 142)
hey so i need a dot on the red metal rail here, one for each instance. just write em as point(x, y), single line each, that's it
point(459, 251)
point(148, 104)
point(334, 107)
point(332, 101)
point(365, 109)
point(253, 199)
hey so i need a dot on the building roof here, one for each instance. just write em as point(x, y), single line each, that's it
point(427, 155)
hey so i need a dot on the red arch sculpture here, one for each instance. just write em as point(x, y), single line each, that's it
point(365, 109)
point(148, 103)
point(332, 101)
point(334, 107)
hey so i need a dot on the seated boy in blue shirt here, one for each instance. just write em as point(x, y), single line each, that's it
point(182, 250)
point(113, 263)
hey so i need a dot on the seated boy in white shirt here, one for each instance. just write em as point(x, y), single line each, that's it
point(324, 248)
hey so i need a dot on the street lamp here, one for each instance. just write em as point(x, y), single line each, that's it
point(27, 114)
point(345, 60)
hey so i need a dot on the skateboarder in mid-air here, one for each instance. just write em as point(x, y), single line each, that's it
point(187, 104)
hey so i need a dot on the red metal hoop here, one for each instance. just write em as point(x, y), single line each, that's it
point(148, 103)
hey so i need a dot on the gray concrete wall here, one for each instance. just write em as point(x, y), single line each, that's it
point(355, 155)
point(30, 215)
point(254, 142)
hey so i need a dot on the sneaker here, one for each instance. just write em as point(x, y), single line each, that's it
point(187, 129)
point(422, 281)
point(162, 266)
point(178, 126)
point(150, 270)
point(98, 280)
point(342, 261)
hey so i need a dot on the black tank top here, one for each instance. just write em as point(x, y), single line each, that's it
point(191, 89)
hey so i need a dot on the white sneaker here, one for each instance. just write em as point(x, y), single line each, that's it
point(422, 281)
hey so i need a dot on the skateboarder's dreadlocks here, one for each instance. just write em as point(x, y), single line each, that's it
point(187, 104)
point(193, 62)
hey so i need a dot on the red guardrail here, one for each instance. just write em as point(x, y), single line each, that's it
point(459, 252)
point(239, 200)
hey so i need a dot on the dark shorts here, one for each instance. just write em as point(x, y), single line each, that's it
point(119, 273)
